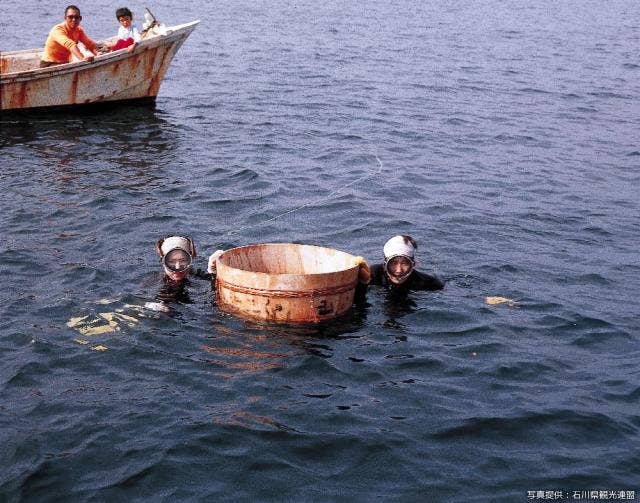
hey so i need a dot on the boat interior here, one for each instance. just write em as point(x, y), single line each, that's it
point(20, 61)
point(23, 61)
point(29, 59)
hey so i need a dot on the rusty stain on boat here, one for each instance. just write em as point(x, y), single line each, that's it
point(74, 88)
point(110, 77)
point(154, 87)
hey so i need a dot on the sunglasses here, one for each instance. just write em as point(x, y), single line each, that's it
point(74, 17)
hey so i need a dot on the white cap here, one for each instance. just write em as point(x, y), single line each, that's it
point(177, 242)
point(399, 246)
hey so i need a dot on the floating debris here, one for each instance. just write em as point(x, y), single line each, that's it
point(103, 302)
point(499, 300)
point(75, 321)
point(157, 306)
point(93, 326)
point(87, 325)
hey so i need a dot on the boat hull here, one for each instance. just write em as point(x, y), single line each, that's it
point(117, 76)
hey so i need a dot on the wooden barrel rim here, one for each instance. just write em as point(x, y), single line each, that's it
point(288, 294)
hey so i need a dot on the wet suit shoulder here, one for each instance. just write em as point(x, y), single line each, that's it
point(423, 281)
point(417, 281)
point(377, 278)
point(200, 274)
point(377, 275)
point(176, 291)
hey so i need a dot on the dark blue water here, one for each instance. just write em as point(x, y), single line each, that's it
point(508, 136)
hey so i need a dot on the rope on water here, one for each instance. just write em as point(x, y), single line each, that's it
point(310, 203)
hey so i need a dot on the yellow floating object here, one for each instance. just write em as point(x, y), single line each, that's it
point(499, 300)
point(132, 321)
point(74, 321)
point(104, 302)
point(94, 326)
point(100, 329)
point(104, 323)
point(99, 348)
point(81, 341)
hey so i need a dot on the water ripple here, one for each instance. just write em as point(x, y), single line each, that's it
point(509, 153)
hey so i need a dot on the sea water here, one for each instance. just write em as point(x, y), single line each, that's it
point(508, 146)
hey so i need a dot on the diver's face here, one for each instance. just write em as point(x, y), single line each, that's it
point(398, 268)
point(177, 260)
point(176, 264)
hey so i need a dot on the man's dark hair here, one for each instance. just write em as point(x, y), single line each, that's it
point(123, 11)
point(71, 7)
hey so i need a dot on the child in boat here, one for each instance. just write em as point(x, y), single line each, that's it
point(128, 34)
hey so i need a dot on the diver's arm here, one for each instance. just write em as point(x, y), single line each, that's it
point(210, 273)
point(427, 282)
point(377, 274)
point(200, 274)
point(360, 295)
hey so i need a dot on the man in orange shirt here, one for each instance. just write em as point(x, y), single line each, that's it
point(62, 42)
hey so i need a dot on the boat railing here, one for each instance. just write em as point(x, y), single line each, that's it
point(18, 63)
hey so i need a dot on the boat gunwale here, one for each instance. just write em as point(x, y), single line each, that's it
point(173, 32)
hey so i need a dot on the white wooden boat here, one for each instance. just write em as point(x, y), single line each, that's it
point(114, 76)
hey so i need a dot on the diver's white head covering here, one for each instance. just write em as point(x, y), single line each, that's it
point(168, 248)
point(400, 246)
point(177, 243)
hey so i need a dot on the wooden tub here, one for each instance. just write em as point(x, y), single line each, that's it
point(285, 282)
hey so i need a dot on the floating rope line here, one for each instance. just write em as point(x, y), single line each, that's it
point(433, 261)
point(310, 203)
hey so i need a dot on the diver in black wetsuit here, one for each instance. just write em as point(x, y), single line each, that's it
point(397, 273)
point(176, 254)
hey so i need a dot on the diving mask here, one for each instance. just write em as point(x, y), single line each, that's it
point(177, 260)
point(399, 267)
